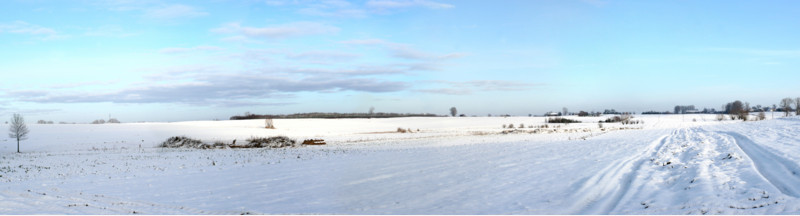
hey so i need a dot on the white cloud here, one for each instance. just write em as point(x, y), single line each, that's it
point(759, 52)
point(346, 9)
point(20, 27)
point(367, 42)
point(215, 89)
point(173, 12)
point(333, 8)
point(446, 91)
point(107, 31)
point(397, 4)
point(404, 51)
point(322, 56)
point(178, 50)
point(468, 87)
point(295, 29)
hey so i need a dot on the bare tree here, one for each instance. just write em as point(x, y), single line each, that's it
point(18, 130)
point(737, 109)
point(565, 110)
point(453, 111)
point(786, 105)
point(371, 111)
point(797, 106)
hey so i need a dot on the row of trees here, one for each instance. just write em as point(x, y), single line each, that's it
point(98, 121)
point(786, 105)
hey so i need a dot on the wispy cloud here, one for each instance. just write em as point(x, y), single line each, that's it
point(83, 84)
point(173, 12)
point(347, 9)
point(32, 30)
point(404, 51)
point(333, 8)
point(214, 89)
point(396, 4)
point(180, 50)
point(20, 27)
point(295, 29)
point(152, 9)
point(760, 52)
point(446, 91)
point(321, 56)
point(107, 31)
point(468, 87)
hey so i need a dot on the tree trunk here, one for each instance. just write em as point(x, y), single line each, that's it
point(17, 145)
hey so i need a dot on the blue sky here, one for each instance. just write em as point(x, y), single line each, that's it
point(159, 60)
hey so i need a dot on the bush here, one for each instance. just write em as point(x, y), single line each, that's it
point(271, 142)
point(181, 142)
point(561, 120)
point(253, 142)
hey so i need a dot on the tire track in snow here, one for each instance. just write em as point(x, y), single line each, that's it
point(778, 171)
point(601, 193)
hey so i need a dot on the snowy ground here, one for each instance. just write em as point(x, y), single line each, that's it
point(671, 164)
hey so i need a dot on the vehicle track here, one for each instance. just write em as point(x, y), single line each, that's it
point(778, 171)
point(691, 171)
point(601, 193)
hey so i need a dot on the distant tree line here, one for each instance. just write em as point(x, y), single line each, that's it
point(331, 115)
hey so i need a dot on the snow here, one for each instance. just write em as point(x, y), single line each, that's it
point(671, 164)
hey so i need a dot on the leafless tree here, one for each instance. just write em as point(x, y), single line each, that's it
point(453, 111)
point(18, 130)
point(761, 115)
point(371, 111)
point(797, 106)
point(113, 121)
point(565, 110)
point(738, 110)
point(786, 105)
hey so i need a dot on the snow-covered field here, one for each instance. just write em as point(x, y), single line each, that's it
point(671, 164)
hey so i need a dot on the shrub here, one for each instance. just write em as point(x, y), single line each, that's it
point(561, 120)
point(181, 142)
point(401, 130)
point(720, 117)
point(113, 121)
point(762, 116)
point(271, 142)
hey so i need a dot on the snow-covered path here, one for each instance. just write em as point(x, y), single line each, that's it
point(666, 168)
point(694, 171)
